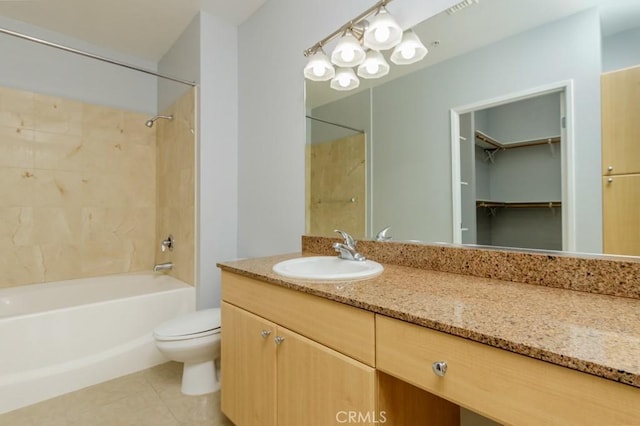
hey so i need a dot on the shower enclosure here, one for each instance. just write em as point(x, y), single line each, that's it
point(87, 189)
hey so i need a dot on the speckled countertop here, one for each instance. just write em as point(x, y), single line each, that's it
point(592, 333)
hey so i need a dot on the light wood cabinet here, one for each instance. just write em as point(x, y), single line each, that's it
point(249, 368)
point(290, 358)
point(620, 123)
point(621, 215)
point(275, 376)
point(621, 161)
point(506, 387)
point(319, 386)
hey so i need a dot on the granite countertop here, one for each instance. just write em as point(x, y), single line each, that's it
point(592, 333)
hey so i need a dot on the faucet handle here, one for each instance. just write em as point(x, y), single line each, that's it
point(167, 244)
point(382, 235)
point(348, 239)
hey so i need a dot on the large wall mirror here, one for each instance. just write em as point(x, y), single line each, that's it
point(385, 154)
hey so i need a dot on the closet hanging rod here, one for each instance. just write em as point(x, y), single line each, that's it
point(343, 201)
point(519, 205)
point(94, 56)
point(499, 145)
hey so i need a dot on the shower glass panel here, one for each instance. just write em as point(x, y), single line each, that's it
point(335, 179)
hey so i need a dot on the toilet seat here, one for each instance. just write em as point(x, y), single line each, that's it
point(190, 326)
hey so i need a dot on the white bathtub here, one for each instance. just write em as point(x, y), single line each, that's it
point(59, 337)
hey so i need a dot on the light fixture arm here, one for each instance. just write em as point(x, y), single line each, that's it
point(352, 25)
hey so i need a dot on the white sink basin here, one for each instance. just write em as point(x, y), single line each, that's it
point(327, 268)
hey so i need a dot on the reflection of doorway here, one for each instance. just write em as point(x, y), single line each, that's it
point(512, 170)
point(336, 182)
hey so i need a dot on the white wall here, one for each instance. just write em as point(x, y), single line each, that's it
point(621, 50)
point(272, 133)
point(206, 52)
point(30, 66)
point(534, 118)
point(182, 60)
point(218, 168)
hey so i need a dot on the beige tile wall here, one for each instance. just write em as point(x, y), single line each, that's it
point(336, 176)
point(77, 189)
point(176, 187)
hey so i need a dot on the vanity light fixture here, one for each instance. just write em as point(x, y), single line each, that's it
point(410, 49)
point(345, 79)
point(348, 52)
point(383, 32)
point(380, 32)
point(319, 68)
point(374, 65)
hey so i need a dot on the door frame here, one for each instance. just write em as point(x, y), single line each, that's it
point(567, 145)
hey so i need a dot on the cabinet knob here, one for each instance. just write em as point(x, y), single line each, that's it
point(610, 180)
point(439, 368)
point(265, 333)
point(278, 340)
point(610, 168)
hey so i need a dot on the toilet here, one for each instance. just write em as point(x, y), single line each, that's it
point(193, 339)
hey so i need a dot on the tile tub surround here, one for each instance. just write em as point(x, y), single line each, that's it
point(592, 333)
point(77, 184)
point(176, 187)
point(609, 275)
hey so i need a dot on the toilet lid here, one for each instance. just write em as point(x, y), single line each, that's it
point(198, 322)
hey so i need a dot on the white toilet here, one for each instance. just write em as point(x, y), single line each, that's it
point(193, 339)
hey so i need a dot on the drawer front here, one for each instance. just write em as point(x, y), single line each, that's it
point(341, 327)
point(507, 387)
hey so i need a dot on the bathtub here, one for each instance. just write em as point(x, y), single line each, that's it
point(62, 336)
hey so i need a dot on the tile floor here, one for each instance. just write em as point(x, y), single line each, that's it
point(148, 398)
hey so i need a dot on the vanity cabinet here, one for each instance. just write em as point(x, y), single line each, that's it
point(289, 358)
point(621, 161)
point(501, 385)
point(620, 124)
point(621, 214)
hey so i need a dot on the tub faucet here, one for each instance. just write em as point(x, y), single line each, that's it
point(347, 250)
point(167, 266)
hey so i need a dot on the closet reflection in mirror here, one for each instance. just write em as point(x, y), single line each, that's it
point(484, 54)
point(511, 174)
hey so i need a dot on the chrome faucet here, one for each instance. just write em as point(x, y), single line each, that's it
point(382, 235)
point(347, 249)
point(169, 243)
point(167, 266)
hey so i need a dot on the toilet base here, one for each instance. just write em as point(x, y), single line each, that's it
point(199, 378)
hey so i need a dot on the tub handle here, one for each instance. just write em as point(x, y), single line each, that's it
point(169, 243)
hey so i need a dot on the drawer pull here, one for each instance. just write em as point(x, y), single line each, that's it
point(265, 333)
point(278, 340)
point(439, 368)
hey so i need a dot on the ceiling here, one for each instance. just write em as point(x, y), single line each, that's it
point(145, 29)
point(484, 23)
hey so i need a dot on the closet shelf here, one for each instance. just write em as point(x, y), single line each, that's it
point(495, 144)
point(519, 205)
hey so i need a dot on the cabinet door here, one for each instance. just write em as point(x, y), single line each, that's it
point(319, 386)
point(621, 214)
point(620, 123)
point(248, 364)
